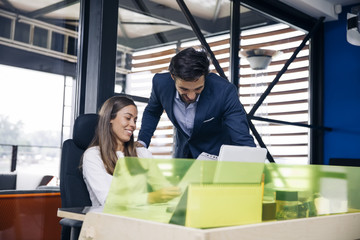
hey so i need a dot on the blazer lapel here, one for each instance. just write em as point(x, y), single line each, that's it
point(201, 110)
point(169, 106)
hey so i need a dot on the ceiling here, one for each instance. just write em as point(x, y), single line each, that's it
point(318, 8)
point(151, 22)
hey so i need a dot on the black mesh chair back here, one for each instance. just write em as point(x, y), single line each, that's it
point(72, 186)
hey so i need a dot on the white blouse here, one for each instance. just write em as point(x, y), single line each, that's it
point(98, 181)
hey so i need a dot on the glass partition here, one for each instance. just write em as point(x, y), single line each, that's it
point(222, 193)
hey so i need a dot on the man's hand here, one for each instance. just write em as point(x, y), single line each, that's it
point(138, 144)
point(163, 195)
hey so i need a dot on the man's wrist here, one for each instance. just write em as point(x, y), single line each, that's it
point(142, 143)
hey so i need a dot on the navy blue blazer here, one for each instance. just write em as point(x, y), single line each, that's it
point(219, 119)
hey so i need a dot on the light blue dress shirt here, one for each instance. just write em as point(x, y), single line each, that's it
point(185, 115)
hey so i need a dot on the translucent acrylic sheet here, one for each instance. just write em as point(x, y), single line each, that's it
point(220, 193)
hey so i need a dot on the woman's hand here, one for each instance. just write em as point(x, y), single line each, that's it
point(163, 195)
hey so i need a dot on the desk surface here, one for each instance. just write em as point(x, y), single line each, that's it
point(108, 226)
point(77, 213)
point(146, 212)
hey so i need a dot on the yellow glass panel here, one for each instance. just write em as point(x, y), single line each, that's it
point(220, 193)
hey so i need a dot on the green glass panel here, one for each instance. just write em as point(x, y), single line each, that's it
point(220, 193)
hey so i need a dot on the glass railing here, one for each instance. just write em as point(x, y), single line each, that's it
point(220, 193)
point(42, 160)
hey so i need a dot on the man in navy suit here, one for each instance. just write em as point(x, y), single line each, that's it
point(204, 108)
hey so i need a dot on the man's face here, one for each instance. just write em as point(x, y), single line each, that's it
point(189, 90)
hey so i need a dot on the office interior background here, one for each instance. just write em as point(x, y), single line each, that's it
point(60, 59)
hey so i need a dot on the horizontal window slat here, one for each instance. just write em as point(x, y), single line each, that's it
point(154, 55)
point(281, 93)
point(279, 62)
point(152, 63)
point(218, 43)
point(270, 33)
point(293, 70)
point(283, 103)
point(272, 43)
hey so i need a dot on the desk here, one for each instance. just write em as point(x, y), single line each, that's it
point(77, 213)
point(336, 191)
point(99, 225)
point(335, 227)
point(29, 214)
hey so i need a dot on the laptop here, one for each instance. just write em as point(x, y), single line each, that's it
point(242, 154)
point(240, 164)
point(235, 165)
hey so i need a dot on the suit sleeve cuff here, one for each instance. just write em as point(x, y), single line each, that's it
point(142, 143)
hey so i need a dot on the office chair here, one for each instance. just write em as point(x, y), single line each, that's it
point(72, 186)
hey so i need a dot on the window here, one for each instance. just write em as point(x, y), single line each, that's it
point(288, 100)
point(31, 119)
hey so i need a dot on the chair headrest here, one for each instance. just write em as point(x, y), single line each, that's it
point(84, 129)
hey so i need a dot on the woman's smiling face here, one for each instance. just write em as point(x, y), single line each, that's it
point(124, 124)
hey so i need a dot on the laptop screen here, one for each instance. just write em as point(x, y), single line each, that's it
point(240, 164)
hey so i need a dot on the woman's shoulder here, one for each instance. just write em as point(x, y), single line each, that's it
point(143, 152)
point(92, 150)
point(91, 153)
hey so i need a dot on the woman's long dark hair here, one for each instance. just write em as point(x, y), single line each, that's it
point(106, 138)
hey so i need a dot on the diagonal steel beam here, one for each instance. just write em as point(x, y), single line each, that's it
point(170, 15)
point(200, 36)
point(159, 36)
point(259, 139)
point(286, 65)
point(8, 5)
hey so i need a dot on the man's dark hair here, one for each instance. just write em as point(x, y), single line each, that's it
point(190, 64)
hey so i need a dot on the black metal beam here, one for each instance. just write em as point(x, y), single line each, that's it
point(200, 36)
point(100, 61)
point(140, 4)
point(316, 88)
point(169, 15)
point(14, 158)
point(9, 6)
point(25, 59)
point(147, 23)
point(260, 141)
point(82, 47)
point(234, 42)
point(51, 8)
point(315, 127)
point(284, 68)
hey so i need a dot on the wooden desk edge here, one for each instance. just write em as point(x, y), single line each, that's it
point(70, 215)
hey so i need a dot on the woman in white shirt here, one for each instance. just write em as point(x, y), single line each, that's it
point(113, 141)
